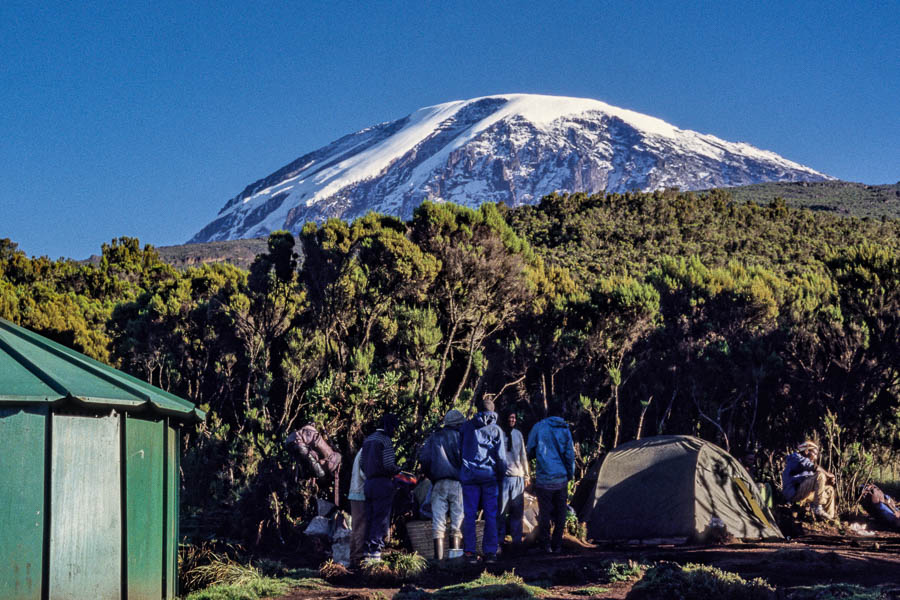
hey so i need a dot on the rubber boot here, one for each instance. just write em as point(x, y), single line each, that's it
point(439, 548)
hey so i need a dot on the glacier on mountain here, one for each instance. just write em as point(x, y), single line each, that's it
point(510, 148)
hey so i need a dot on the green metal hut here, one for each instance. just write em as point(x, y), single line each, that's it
point(89, 462)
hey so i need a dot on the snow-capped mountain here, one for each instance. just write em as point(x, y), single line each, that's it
point(513, 148)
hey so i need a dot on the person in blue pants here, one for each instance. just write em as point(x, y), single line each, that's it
point(481, 474)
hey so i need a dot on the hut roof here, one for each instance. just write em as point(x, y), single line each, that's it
point(35, 370)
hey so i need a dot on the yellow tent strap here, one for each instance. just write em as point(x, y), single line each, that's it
point(754, 506)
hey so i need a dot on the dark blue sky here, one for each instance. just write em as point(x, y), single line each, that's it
point(144, 118)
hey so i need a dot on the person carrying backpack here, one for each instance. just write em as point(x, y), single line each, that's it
point(550, 443)
point(483, 467)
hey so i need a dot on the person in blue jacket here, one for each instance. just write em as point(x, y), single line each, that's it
point(550, 443)
point(481, 474)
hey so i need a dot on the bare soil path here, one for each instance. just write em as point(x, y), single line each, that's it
point(817, 558)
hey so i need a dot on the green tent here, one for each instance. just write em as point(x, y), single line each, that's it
point(88, 476)
point(674, 488)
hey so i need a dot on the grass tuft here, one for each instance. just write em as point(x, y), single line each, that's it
point(332, 570)
point(616, 571)
point(395, 567)
point(508, 586)
point(836, 591)
point(697, 582)
point(591, 591)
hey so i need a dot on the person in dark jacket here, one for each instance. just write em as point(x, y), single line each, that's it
point(441, 459)
point(550, 443)
point(803, 481)
point(379, 466)
point(483, 467)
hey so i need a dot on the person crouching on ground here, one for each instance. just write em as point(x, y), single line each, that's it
point(803, 480)
point(550, 442)
point(512, 492)
point(483, 467)
point(441, 460)
point(379, 466)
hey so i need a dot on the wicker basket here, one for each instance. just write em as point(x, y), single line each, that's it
point(421, 538)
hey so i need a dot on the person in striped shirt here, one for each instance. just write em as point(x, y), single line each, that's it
point(379, 466)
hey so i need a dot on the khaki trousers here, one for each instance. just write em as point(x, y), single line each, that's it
point(815, 489)
point(358, 531)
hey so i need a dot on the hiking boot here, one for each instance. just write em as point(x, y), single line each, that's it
point(471, 558)
point(549, 549)
point(819, 512)
point(490, 558)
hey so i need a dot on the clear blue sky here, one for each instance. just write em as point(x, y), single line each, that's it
point(144, 118)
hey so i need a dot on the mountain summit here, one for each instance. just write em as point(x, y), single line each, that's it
point(511, 148)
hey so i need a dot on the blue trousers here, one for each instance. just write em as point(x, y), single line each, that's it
point(379, 497)
point(485, 495)
point(512, 507)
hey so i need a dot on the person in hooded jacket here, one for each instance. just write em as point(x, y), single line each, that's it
point(441, 459)
point(512, 492)
point(379, 466)
point(481, 475)
point(550, 443)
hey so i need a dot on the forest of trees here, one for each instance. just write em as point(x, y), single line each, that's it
point(641, 314)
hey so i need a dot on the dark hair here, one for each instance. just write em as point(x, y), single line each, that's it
point(555, 409)
point(389, 423)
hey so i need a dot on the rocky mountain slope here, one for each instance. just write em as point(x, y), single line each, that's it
point(512, 148)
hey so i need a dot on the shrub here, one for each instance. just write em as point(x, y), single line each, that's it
point(616, 571)
point(697, 582)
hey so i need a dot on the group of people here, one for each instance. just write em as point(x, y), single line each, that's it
point(478, 463)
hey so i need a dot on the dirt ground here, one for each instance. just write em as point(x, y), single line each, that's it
point(817, 557)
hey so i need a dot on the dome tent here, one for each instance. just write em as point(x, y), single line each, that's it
point(674, 487)
point(88, 475)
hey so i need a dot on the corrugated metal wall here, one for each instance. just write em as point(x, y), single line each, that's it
point(88, 506)
point(22, 466)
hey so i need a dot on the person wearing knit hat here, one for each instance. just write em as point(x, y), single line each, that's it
point(803, 481)
point(441, 460)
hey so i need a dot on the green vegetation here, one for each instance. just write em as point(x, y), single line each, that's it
point(616, 571)
point(395, 567)
point(591, 591)
point(697, 582)
point(841, 197)
point(508, 585)
point(836, 591)
point(264, 587)
point(640, 314)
